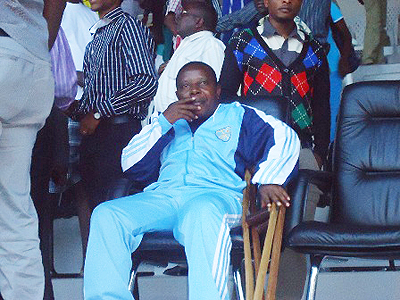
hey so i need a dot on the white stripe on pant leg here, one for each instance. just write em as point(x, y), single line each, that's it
point(224, 266)
point(228, 219)
point(219, 257)
point(224, 285)
point(220, 269)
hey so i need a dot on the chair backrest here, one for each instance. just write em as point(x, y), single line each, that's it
point(276, 106)
point(366, 157)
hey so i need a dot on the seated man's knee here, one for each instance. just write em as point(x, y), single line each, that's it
point(101, 213)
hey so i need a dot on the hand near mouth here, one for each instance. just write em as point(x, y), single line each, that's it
point(183, 109)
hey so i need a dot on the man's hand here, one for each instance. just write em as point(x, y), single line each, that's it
point(71, 109)
point(182, 109)
point(59, 175)
point(344, 66)
point(88, 124)
point(270, 193)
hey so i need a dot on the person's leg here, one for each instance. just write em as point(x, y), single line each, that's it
point(203, 228)
point(84, 212)
point(384, 39)
point(373, 49)
point(116, 230)
point(40, 177)
point(26, 95)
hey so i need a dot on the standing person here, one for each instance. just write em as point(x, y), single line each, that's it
point(315, 13)
point(375, 37)
point(194, 155)
point(50, 153)
point(76, 22)
point(196, 25)
point(119, 81)
point(279, 58)
point(26, 97)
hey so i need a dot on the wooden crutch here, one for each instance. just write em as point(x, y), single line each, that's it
point(276, 254)
point(272, 242)
point(246, 240)
point(255, 236)
point(266, 253)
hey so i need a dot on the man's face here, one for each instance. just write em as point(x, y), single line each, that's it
point(283, 10)
point(104, 6)
point(186, 21)
point(260, 6)
point(199, 84)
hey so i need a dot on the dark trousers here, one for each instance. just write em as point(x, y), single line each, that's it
point(100, 157)
point(50, 150)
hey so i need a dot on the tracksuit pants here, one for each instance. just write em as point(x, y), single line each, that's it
point(200, 219)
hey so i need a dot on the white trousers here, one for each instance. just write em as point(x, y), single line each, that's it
point(26, 95)
point(200, 219)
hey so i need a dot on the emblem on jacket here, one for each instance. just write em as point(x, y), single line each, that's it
point(224, 134)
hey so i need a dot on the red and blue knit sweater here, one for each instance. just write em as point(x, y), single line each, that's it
point(249, 62)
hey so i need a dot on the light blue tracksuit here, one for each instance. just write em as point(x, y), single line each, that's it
point(196, 191)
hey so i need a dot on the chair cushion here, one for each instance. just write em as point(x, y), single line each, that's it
point(345, 240)
point(164, 240)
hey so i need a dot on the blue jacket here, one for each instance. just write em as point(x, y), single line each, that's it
point(216, 154)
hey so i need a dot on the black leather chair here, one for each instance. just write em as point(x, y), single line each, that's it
point(161, 248)
point(364, 184)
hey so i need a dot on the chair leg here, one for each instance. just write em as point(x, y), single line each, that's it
point(133, 282)
point(316, 261)
point(237, 281)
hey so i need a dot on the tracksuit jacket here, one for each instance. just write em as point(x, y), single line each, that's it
point(216, 155)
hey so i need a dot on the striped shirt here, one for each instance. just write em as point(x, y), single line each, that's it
point(119, 73)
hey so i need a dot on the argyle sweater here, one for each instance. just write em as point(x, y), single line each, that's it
point(251, 64)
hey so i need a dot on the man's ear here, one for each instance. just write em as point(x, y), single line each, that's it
point(200, 23)
point(218, 91)
point(266, 3)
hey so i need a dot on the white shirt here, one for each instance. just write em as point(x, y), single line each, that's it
point(200, 46)
point(76, 22)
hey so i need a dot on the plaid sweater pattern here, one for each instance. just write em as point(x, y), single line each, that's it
point(265, 73)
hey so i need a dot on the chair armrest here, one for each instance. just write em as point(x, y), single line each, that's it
point(298, 191)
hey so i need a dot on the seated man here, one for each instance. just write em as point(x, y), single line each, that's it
point(196, 25)
point(195, 153)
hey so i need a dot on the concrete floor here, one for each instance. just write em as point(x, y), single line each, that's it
point(343, 286)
